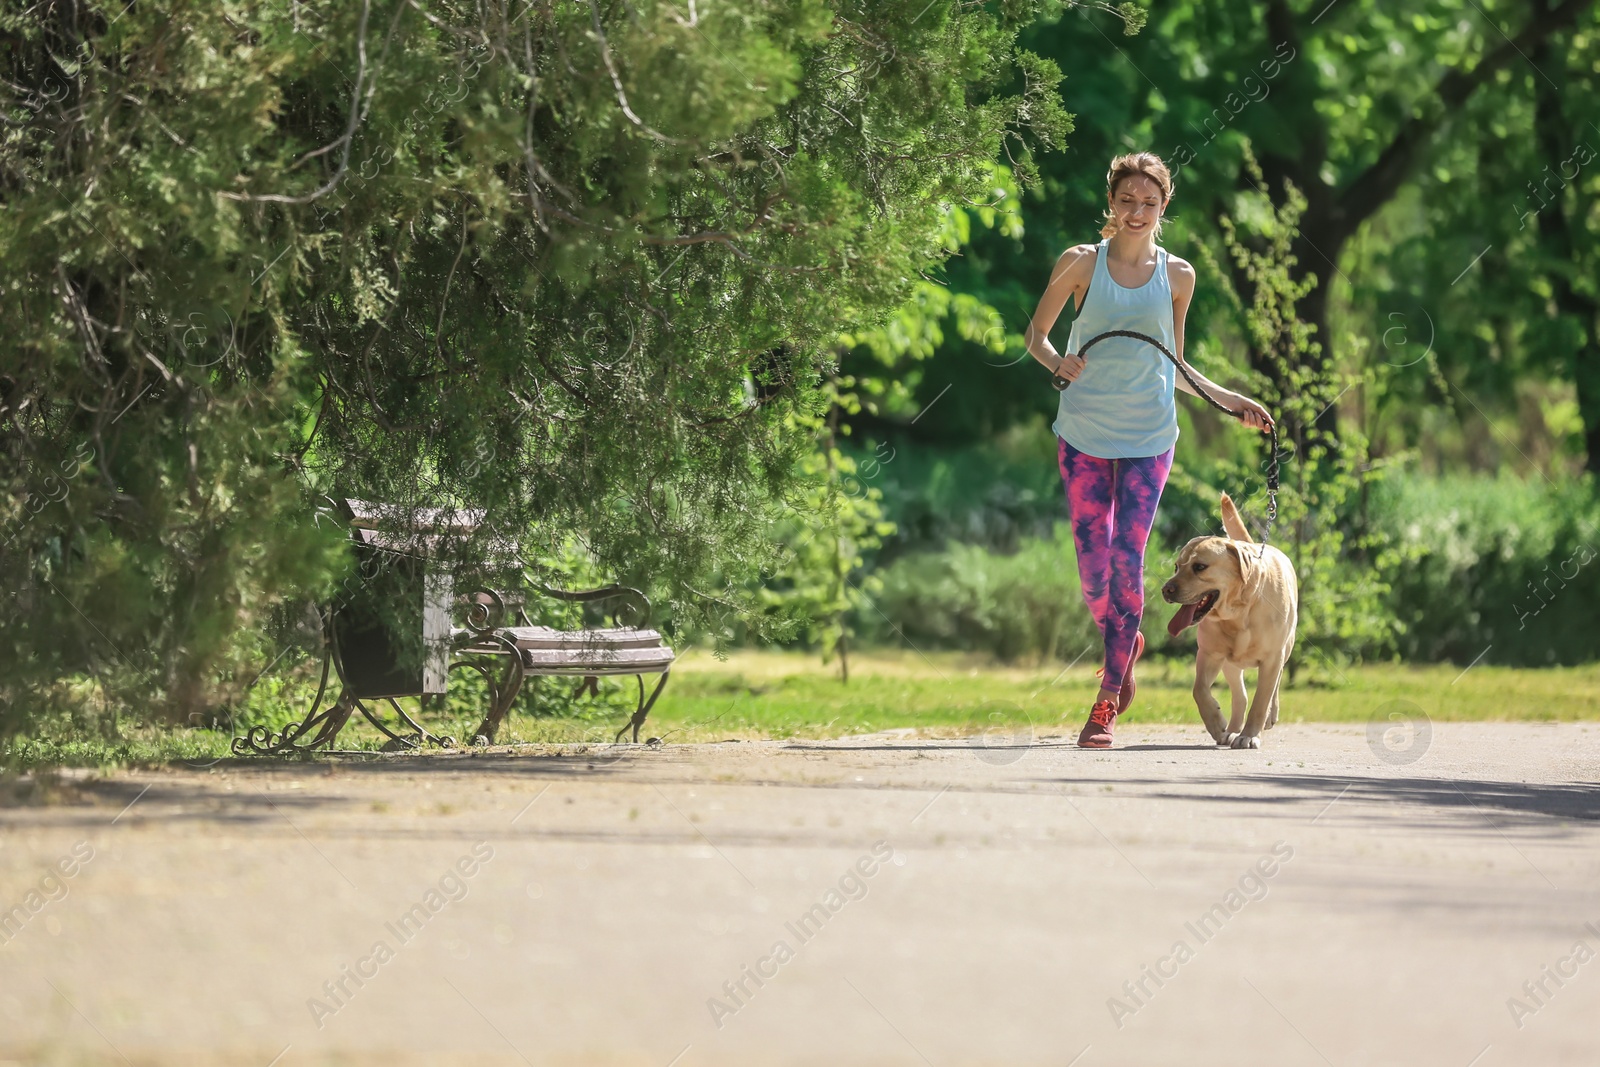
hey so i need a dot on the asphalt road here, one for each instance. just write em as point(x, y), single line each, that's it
point(1425, 896)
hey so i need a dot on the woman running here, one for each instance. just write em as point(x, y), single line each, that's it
point(1117, 424)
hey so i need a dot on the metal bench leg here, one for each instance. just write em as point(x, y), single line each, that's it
point(398, 741)
point(502, 695)
point(322, 726)
point(644, 706)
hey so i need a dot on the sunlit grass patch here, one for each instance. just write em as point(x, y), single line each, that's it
point(770, 694)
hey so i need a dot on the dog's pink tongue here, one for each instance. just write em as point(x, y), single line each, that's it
point(1182, 620)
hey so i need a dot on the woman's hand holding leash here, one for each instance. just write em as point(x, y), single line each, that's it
point(1068, 366)
point(1254, 415)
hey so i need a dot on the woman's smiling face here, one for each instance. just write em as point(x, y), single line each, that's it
point(1137, 204)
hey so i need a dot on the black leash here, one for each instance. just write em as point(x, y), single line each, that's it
point(1272, 467)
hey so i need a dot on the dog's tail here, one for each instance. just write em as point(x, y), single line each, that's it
point(1233, 523)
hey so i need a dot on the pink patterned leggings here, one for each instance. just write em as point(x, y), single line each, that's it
point(1113, 505)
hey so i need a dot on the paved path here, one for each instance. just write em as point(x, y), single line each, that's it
point(868, 901)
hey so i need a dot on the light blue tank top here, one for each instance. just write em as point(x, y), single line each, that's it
point(1122, 405)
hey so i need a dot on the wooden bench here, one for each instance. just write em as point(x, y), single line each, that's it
point(402, 591)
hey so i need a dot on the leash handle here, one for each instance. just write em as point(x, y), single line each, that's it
point(1061, 385)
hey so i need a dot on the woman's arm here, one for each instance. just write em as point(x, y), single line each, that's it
point(1181, 275)
point(1069, 276)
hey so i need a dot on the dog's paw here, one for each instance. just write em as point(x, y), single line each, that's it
point(1247, 741)
point(1272, 720)
point(1226, 740)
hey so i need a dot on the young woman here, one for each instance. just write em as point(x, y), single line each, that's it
point(1117, 424)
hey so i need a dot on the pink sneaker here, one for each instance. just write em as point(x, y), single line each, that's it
point(1097, 731)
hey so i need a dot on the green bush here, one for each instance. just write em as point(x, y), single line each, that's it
point(1025, 605)
point(1498, 566)
point(1504, 565)
point(996, 493)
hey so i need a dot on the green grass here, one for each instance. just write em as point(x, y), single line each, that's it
point(769, 694)
point(943, 694)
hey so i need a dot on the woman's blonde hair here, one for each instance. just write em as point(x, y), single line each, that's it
point(1146, 163)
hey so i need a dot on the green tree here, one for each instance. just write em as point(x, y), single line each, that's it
point(838, 520)
point(1341, 567)
point(1414, 135)
point(528, 256)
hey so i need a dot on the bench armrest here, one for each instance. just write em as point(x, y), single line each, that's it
point(634, 610)
point(484, 609)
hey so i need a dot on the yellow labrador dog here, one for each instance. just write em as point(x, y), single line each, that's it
point(1245, 599)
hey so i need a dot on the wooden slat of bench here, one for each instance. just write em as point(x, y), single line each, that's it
point(430, 545)
point(589, 640)
point(411, 544)
point(614, 649)
point(607, 637)
point(372, 515)
point(614, 661)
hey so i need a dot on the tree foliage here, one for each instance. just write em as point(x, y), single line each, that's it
point(1423, 138)
point(1342, 568)
point(827, 538)
point(583, 265)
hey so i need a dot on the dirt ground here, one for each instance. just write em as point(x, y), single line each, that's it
point(1337, 898)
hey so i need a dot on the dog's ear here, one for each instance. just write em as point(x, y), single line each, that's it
point(1247, 568)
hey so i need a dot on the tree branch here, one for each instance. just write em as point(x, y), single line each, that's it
point(616, 81)
point(357, 114)
point(1378, 184)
